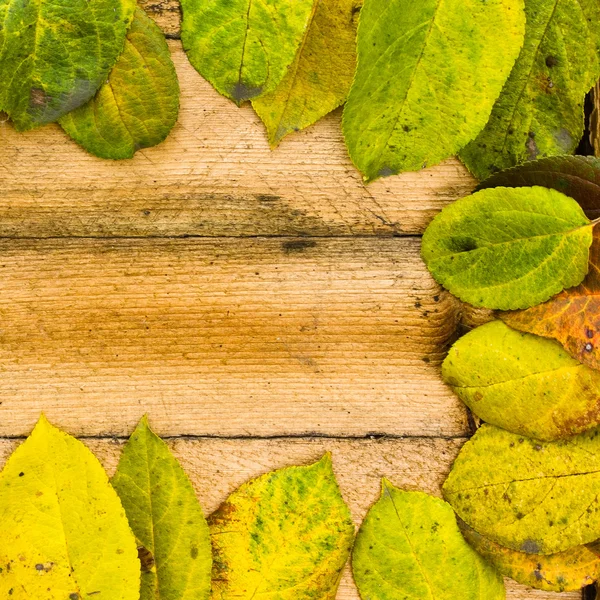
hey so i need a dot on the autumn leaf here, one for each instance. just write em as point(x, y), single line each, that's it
point(523, 383)
point(409, 546)
point(540, 111)
point(572, 317)
point(63, 531)
point(566, 571)
point(505, 248)
point(55, 55)
point(527, 495)
point(428, 75)
point(575, 176)
point(166, 518)
point(286, 534)
point(244, 47)
point(320, 77)
point(138, 105)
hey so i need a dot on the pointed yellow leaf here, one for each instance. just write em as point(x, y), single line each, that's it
point(320, 77)
point(167, 519)
point(63, 530)
point(283, 536)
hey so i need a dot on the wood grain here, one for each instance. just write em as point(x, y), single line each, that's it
point(225, 337)
point(213, 176)
point(218, 467)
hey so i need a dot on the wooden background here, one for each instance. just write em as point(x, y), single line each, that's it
point(262, 307)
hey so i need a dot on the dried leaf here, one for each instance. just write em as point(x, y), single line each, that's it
point(575, 176)
point(531, 496)
point(285, 535)
point(244, 47)
point(167, 520)
point(508, 248)
point(63, 531)
point(523, 383)
point(566, 571)
point(320, 77)
point(138, 105)
point(409, 546)
point(572, 318)
point(55, 55)
point(428, 75)
point(540, 111)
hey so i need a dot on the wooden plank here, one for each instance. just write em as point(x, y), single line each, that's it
point(225, 337)
point(217, 467)
point(214, 176)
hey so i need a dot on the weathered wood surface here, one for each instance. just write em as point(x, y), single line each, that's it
point(217, 467)
point(319, 323)
point(213, 176)
point(225, 337)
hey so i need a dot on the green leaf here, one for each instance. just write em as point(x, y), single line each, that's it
point(137, 106)
point(428, 75)
point(508, 248)
point(320, 77)
point(566, 571)
point(409, 546)
point(531, 496)
point(63, 531)
point(523, 383)
point(55, 55)
point(284, 535)
point(167, 519)
point(540, 111)
point(243, 47)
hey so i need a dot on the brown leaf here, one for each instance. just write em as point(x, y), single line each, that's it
point(572, 317)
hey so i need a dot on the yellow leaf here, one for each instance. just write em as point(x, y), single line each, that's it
point(283, 536)
point(63, 531)
point(320, 77)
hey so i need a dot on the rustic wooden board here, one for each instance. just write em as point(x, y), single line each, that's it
point(213, 176)
point(217, 467)
point(320, 321)
point(225, 337)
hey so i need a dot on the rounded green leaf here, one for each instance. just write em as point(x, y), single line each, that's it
point(55, 55)
point(284, 535)
point(428, 75)
point(138, 105)
point(63, 531)
point(320, 77)
point(527, 495)
point(409, 546)
point(540, 111)
point(523, 383)
point(566, 571)
point(509, 248)
point(243, 47)
point(166, 518)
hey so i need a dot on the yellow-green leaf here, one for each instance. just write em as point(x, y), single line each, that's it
point(527, 495)
point(166, 518)
point(63, 530)
point(55, 55)
point(429, 72)
point(243, 47)
point(320, 76)
point(540, 111)
point(509, 248)
point(524, 383)
point(566, 571)
point(284, 536)
point(138, 105)
point(409, 546)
